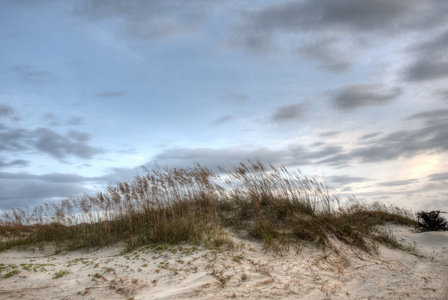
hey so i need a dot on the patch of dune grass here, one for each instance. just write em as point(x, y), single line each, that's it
point(195, 205)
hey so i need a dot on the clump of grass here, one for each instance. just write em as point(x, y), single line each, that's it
point(60, 274)
point(35, 267)
point(11, 273)
point(195, 205)
point(10, 270)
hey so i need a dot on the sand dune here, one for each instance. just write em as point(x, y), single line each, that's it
point(249, 271)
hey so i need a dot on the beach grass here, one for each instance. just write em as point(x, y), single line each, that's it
point(198, 206)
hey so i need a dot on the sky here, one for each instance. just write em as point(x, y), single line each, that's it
point(352, 92)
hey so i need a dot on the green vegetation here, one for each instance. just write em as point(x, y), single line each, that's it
point(61, 274)
point(8, 270)
point(11, 273)
point(35, 267)
point(197, 206)
point(431, 221)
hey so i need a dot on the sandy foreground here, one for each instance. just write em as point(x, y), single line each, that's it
point(185, 272)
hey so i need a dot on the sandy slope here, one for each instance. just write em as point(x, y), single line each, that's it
point(247, 272)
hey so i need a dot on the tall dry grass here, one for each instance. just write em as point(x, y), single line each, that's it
point(194, 205)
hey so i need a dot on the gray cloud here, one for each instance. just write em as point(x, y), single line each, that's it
point(14, 139)
point(59, 146)
point(438, 44)
point(443, 94)
point(15, 119)
point(318, 144)
point(47, 141)
point(329, 133)
point(382, 150)
point(24, 192)
point(21, 189)
point(336, 160)
point(438, 177)
point(51, 177)
point(5, 110)
point(75, 121)
point(431, 136)
point(255, 41)
point(369, 136)
point(371, 15)
point(326, 151)
point(367, 15)
point(223, 119)
point(335, 32)
point(111, 94)
point(289, 112)
point(51, 119)
point(330, 52)
point(384, 17)
point(398, 182)
point(425, 68)
point(355, 96)
point(430, 62)
point(430, 114)
point(29, 74)
point(14, 163)
point(79, 136)
point(345, 180)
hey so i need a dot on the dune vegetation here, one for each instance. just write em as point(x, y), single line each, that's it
point(197, 206)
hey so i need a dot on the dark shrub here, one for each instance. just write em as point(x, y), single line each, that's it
point(431, 221)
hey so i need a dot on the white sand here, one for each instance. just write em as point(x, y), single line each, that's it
point(247, 272)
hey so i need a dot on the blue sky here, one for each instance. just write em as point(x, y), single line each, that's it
point(353, 92)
